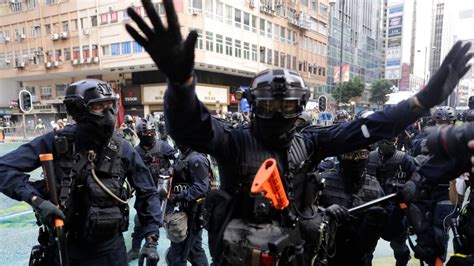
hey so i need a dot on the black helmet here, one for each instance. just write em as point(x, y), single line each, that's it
point(469, 116)
point(471, 102)
point(237, 117)
point(444, 114)
point(128, 119)
point(304, 119)
point(145, 125)
point(80, 95)
point(341, 116)
point(278, 84)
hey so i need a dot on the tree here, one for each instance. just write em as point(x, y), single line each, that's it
point(348, 90)
point(380, 89)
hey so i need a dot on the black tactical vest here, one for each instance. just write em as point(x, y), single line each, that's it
point(386, 171)
point(154, 159)
point(293, 170)
point(85, 204)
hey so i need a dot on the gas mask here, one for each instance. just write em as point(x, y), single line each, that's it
point(99, 126)
point(147, 138)
point(387, 148)
point(353, 172)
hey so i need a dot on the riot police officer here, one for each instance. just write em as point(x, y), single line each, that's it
point(157, 155)
point(277, 97)
point(304, 120)
point(392, 167)
point(93, 166)
point(190, 184)
point(350, 186)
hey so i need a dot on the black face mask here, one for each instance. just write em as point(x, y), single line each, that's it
point(387, 149)
point(276, 132)
point(99, 128)
point(353, 173)
point(147, 141)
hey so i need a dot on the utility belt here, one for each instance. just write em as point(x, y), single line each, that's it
point(247, 243)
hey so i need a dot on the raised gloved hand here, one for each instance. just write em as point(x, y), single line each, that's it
point(173, 56)
point(46, 211)
point(149, 251)
point(338, 213)
point(443, 82)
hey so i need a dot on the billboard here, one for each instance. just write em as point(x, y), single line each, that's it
point(395, 21)
point(395, 9)
point(395, 32)
point(345, 73)
point(394, 42)
point(392, 63)
point(392, 73)
point(405, 78)
point(393, 53)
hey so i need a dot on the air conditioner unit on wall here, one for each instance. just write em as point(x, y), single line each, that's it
point(20, 65)
point(96, 59)
point(63, 35)
point(86, 32)
point(7, 38)
point(22, 36)
point(88, 60)
point(54, 36)
point(56, 63)
point(8, 61)
point(81, 61)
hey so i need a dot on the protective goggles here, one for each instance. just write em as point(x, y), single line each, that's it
point(287, 108)
point(98, 108)
point(355, 155)
point(148, 132)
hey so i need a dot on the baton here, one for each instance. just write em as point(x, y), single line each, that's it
point(373, 202)
point(48, 169)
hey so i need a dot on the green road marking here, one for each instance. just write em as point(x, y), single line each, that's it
point(20, 207)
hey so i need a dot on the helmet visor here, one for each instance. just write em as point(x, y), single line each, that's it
point(289, 108)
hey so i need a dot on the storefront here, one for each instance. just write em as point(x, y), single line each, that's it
point(132, 100)
point(213, 96)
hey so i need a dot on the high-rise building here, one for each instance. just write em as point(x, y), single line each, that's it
point(464, 32)
point(360, 43)
point(46, 45)
point(407, 43)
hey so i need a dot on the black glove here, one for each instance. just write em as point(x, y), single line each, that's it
point(443, 82)
point(149, 251)
point(338, 213)
point(46, 211)
point(375, 218)
point(173, 56)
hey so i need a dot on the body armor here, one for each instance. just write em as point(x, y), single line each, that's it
point(154, 160)
point(387, 171)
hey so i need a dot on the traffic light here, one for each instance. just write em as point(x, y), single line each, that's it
point(25, 101)
point(322, 100)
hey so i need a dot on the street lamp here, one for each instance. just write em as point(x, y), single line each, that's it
point(426, 58)
point(332, 3)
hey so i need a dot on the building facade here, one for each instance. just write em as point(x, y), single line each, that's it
point(361, 47)
point(46, 45)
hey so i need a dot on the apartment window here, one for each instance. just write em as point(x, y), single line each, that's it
point(294, 37)
point(94, 21)
point(113, 16)
point(199, 42)
point(15, 6)
point(269, 56)
point(262, 27)
point(254, 52)
point(32, 57)
point(282, 34)
point(237, 17)
point(228, 46)
point(288, 40)
point(61, 89)
point(65, 26)
point(219, 43)
point(32, 4)
point(262, 54)
point(105, 49)
point(246, 21)
point(246, 50)
point(74, 24)
point(49, 55)
point(83, 23)
point(67, 53)
point(300, 66)
point(57, 55)
point(228, 15)
point(275, 58)
point(209, 9)
point(47, 29)
point(95, 50)
point(85, 51)
point(209, 41)
point(126, 48)
point(314, 5)
point(294, 63)
point(304, 2)
point(160, 9)
point(238, 48)
point(104, 19)
point(45, 91)
point(269, 30)
point(254, 24)
point(76, 52)
point(277, 29)
point(282, 59)
point(195, 6)
point(115, 48)
point(137, 48)
point(219, 11)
